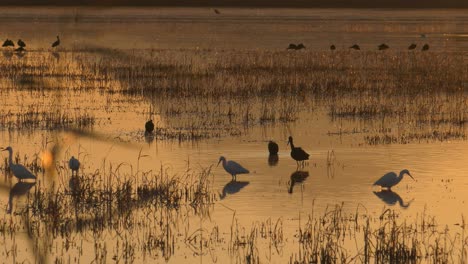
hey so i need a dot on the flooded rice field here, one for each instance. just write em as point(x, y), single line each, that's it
point(225, 85)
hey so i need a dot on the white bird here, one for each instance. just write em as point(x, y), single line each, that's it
point(391, 179)
point(74, 165)
point(18, 170)
point(232, 167)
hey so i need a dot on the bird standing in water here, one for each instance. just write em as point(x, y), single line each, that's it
point(232, 167)
point(74, 165)
point(149, 127)
point(56, 43)
point(297, 153)
point(391, 179)
point(18, 170)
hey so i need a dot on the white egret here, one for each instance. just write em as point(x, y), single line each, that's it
point(297, 153)
point(18, 170)
point(56, 43)
point(273, 148)
point(232, 167)
point(391, 179)
point(74, 165)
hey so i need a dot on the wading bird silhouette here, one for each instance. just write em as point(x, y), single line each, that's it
point(74, 165)
point(232, 167)
point(8, 43)
point(297, 153)
point(391, 179)
point(149, 127)
point(18, 170)
point(56, 43)
point(425, 47)
point(21, 43)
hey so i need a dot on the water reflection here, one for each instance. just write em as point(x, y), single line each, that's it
point(7, 54)
point(19, 189)
point(297, 177)
point(273, 159)
point(391, 198)
point(56, 55)
point(232, 187)
point(149, 137)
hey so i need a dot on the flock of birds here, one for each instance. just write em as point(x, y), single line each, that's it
point(382, 46)
point(233, 168)
point(22, 44)
point(300, 156)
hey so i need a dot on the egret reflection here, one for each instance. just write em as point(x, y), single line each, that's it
point(19, 189)
point(273, 159)
point(232, 187)
point(297, 177)
point(391, 198)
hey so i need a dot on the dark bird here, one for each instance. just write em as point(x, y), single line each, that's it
point(20, 49)
point(355, 46)
point(412, 46)
point(383, 46)
point(56, 43)
point(21, 43)
point(332, 47)
point(8, 43)
point(297, 153)
point(217, 11)
point(292, 46)
point(425, 47)
point(149, 126)
point(297, 177)
point(300, 46)
point(273, 148)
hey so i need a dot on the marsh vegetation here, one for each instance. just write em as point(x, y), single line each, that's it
point(345, 106)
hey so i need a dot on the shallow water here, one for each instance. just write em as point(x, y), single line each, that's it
point(173, 28)
point(269, 191)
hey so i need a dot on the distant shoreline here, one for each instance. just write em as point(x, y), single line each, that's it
point(417, 4)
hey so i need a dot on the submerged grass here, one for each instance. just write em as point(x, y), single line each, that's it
point(208, 93)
